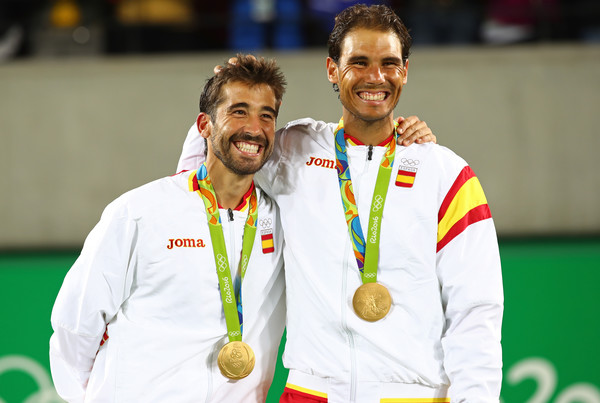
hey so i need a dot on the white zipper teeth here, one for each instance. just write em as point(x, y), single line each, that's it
point(353, 366)
point(231, 251)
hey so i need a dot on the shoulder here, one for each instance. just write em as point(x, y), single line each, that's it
point(150, 196)
point(308, 124)
point(431, 153)
point(437, 163)
point(305, 131)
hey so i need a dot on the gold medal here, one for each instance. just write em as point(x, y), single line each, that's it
point(372, 301)
point(236, 360)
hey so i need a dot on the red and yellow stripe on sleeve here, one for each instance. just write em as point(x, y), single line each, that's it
point(464, 205)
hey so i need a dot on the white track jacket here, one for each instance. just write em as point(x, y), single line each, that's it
point(438, 257)
point(146, 279)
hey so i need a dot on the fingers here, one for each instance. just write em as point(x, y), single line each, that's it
point(414, 130)
point(217, 69)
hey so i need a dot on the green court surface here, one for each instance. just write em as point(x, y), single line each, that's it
point(551, 332)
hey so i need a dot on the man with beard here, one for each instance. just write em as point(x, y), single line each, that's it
point(152, 309)
point(394, 289)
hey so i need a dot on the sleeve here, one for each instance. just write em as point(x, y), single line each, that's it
point(468, 264)
point(192, 154)
point(265, 178)
point(90, 296)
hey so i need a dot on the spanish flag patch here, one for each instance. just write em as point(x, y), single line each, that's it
point(267, 242)
point(406, 177)
point(464, 204)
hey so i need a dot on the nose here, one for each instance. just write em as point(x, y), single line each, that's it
point(375, 74)
point(253, 125)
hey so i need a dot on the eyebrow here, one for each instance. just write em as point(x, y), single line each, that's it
point(393, 59)
point(245, 105)
point(269, 109)
point(238, 105)
point(357, 59)
point(365, 58)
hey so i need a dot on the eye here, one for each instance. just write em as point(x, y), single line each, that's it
point(268, 116)
point(239, 112)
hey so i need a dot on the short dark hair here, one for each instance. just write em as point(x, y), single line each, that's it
point(248, 70)
point(376, 17)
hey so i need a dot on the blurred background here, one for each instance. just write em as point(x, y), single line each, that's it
point(96, 98)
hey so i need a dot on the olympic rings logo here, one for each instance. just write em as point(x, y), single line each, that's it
point(377, 203)
point(221, 263)
point(370, 275)
point(265, 222)
point(46, 392)
point(409, 162)
point(235, 333)
point(244, 262)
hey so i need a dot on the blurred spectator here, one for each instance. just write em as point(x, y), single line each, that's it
point(67, 28)
point(148, 26)
point(320, 17)
point(86, 27)
point(583, 19)
point(515, 21)
point(452, 22)
point(15, 24)
point(258, 24)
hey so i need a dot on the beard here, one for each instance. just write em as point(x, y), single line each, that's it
point(239, 165)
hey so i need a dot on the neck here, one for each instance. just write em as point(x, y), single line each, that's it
point(229, 187)
point(368, 132)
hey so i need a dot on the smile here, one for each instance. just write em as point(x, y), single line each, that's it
point(247, 147)
point(372, 96)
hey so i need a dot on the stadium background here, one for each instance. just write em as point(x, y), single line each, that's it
point(77, 130)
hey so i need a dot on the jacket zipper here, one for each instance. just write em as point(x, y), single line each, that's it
point(349, 334)
point(353, 365)
point(231, 250)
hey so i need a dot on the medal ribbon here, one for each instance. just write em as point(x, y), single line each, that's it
point(366, 253)
point(232, 303)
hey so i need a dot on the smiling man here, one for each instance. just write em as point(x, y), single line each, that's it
point(393, 273)
point(394, 288)
point(178, 293)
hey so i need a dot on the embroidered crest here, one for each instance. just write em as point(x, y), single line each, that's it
point(266, 235)
point(407, 173)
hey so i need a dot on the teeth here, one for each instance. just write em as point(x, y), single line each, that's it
point(247, 147)
point(369, 96)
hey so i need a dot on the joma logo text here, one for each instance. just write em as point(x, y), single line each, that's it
point(185, 243)
point(321, 162)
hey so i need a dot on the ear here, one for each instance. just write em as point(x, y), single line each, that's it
point(405, 79)
point(204, 125)
point(332, 71)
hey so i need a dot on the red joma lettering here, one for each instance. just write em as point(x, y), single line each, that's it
point(321, 162)
point(185, 243)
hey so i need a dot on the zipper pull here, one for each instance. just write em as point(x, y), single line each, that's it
point(370, 153)
point(230, 214)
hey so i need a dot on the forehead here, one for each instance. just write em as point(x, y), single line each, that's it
point(371, 43)
point(255, 95)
